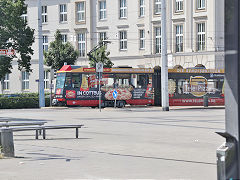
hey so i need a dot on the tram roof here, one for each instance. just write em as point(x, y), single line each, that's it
point(73, 69)
point(196, 71)
point(79, 69)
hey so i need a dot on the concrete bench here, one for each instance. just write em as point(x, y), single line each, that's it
point(13, 124)
point(6, 139)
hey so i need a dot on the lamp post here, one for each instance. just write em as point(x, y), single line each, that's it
point(40, 61)
point(228, 155)
point(164, 69)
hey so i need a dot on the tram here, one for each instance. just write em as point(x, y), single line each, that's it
point(79, 86)
point(188, 87)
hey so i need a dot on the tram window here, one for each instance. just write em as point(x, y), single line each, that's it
point(133, 80)
point(212, 85)
point(220, 84)
point(171, 86)
point(182, 86)
point(84, 83)
point(92, 81)
point(143, 81)
point(68, 81)
point(123, 83)
point(123, 80)
point(76, 80)
point(108, 80)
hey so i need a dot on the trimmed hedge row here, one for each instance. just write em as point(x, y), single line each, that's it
point(21, 102)
point(22, 95)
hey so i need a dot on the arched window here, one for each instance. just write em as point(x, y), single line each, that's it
point(177, 67)
point(200, 66)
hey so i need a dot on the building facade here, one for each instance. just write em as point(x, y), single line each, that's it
point(195, 34)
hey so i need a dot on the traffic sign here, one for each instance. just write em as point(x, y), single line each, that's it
point(115, 93)
point(7, 52)
point(99, 67)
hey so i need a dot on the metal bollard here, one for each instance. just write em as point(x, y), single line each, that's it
point(7, 143)
point(227, 153)
point(221, 162)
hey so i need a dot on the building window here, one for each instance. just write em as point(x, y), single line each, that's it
point(123, 40)
point(46, 79)
point(142, 39)
point(102, 10)
point(44, 14)
point(141, 8)
point(6, 82)
point(45, 43)
point(63, 13)
point(179, 6)
point(201, 4)
point(158, 40)
point(201, 37)
point(102, 36)
point(25, 80)
point(157, 7)
point(81, 44)
point(123, 8)
point(64, 38)
point(24, 15)
point(80, 11)
point(179, 38)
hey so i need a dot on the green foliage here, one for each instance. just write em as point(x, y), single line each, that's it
point(101, 55)
point(60, 52)
point(5, 65)
point(20, 95)
point(21, 102)
point(15, 34)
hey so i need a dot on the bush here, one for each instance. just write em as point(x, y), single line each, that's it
point(21, 102)
point(22, 95)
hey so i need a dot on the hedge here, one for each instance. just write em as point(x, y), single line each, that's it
point(21, 102)
point(22, 95)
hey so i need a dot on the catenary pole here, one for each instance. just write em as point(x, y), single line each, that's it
point(40, 62)
point(164, 69)
point(228, 154)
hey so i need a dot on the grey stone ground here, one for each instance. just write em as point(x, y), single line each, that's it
point(131, 143)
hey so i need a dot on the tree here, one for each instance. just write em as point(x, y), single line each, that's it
point(15, 34)
point(60, 52)
point(100, 55)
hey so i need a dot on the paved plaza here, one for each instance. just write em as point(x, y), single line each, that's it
point(129, 143)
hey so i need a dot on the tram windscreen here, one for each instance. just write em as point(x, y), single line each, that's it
point(76, 81)
point(60, 80)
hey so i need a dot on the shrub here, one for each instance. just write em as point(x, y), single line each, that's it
point(21, 102)
point(22, 95)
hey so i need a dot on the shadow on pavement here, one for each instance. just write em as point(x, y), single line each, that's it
point(156, 158)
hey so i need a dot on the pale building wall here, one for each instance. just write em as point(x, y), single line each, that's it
point(212, 15)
